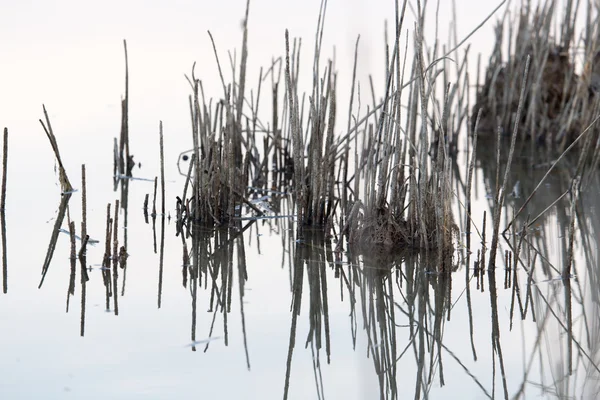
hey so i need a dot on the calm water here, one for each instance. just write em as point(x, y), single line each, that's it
point(263, 315)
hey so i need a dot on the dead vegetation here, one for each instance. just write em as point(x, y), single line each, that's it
point(560, 102)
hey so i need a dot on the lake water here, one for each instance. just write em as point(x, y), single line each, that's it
point(265, 316)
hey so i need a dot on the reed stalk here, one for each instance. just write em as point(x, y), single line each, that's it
point(3, 211)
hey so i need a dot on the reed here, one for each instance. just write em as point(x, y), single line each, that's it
point(501, 191)
point(67, 191)
point(559, 102)
point(162, 216)
point(406, 194)
point(107, 257)
point(115, 258)
point(125, 160)
point(83, 208)
point(84, 279)
point(63, 178)
point(220, 149)
point(73, 263)
point(3, 211)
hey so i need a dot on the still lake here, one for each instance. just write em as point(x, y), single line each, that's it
point(270, 315)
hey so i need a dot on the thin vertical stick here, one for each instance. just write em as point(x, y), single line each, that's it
point(115, 257)
point(297, 144)
point(4, 165)
point(3, 212)
point(154, 213)
point(162, 170)
point(124, 167)
point(83, 206)
point(84, 279)
point(73, 263)
point(154, 200)
point(162, 217)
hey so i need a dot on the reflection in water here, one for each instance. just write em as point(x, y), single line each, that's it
point(62, 211)
point(212, 256)
point(310, 254)
point(401, 307)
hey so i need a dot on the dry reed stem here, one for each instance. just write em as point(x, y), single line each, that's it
point(3, 211)
point(154, 198)
point(296, 139)
point(500, 199)
point(108, 233)
point(162, 171)
point(83, 205)
point(115, 257)
point(64, 180)
point(566, 273)
point(4, 169)
point(346, 148)
point(73, 263)
point(125, 165)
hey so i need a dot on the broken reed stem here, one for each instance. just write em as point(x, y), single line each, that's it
point(183, 201)
point(82, 260)
point(188, 178)
point(297, 145)
point(82, 250)
point(242, 78)
point(116, 172)
point(64, 180)
point(162, 170)
point(347, 146)
point(107, 237)
point(423, 138)
point(498, 205)
point(4, 169)
point(84, 279)
point(154, 201)
point(73, 253)
point(566, 274)
point(115, 257)
point(3, 212)
point(124, 165)
point(83, 205)
point(73, 263)
point(116, 233)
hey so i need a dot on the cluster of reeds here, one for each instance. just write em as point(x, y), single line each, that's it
point(114, 256)
point(314, 150)
point(389, 172)
point(560, 104)
point(401, 193)
point(396, 296)
point(224, 146)
point(535, 96)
